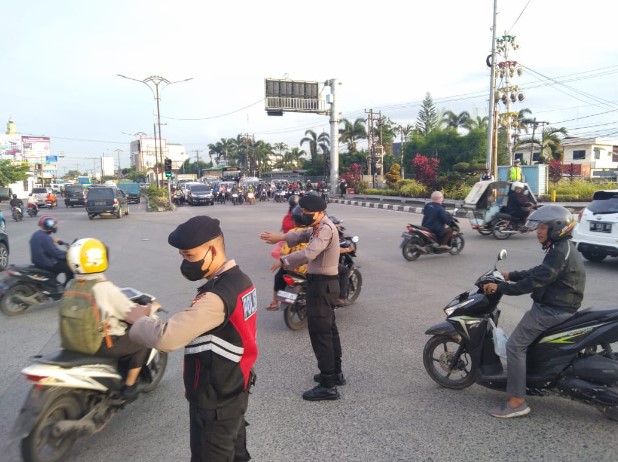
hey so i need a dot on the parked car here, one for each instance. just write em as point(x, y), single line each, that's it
point(74, 194)
point(40, 195)
point(596, 234)
point(198, 193)
point(106, 200)
point(2, 222)
point(4, 250)
point(133, 192)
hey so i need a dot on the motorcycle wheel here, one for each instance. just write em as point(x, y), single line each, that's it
point(409, 250)
point(157, 369)
point(457, 245)
point(437, 355)
point(611, 412)
point(41, 445)
point(483, 231)
point(295, 316)
point(355, 284)
point(499, 230)
point(11, 306)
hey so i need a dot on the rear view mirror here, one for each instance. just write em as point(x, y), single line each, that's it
point(502, 255)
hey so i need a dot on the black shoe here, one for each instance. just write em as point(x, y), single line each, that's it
point(320, 393)
point(130, 393)
point(338, 381)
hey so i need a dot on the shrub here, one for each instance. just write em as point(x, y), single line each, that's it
point(359, 186)
point(412, 188)
point(157, 198)
point(457, 192)
point(567, 190)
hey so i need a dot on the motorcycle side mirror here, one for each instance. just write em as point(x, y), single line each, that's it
point(355, 239)
point(502, 255)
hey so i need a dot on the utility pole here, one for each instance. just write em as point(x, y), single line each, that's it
point(490, 162)
point(197, 158)
point(373, 160)
point(118, 151)
point(334, 137)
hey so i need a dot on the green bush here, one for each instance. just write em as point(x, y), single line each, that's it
point(359, 186)
point(577, 190)
point(457, 192)
point(412, 188)
point(157, 197)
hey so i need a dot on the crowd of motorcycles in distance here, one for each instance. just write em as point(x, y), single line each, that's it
point(74, 395)
point(32, 210)
point(573, 359)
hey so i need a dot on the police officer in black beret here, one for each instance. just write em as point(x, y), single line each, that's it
point(322, 259)
point(218, 333)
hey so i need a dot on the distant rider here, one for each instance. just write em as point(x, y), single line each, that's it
point(15, 202)
point(437, 219)
point(517, 204)
point(44, 253)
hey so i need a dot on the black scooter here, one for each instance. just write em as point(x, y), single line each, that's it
point(417, 241)
point(24, 286)
point(294, 295)
point(573, 359)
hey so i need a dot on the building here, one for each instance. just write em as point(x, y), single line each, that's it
point(146, 155)
point(582, 157)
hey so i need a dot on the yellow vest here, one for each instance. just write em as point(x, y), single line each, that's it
point(515, 173)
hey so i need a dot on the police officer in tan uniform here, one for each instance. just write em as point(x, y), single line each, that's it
point(322, 258)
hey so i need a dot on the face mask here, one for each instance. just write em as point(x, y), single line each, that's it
point(192, 270)
point(306, 219)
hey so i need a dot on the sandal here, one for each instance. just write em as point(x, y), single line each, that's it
point(273, 306)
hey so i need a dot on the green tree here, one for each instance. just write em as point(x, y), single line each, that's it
point(393, 176)
point(452, 120)
point(428, 119)
point(352, 133)
point(11, 172)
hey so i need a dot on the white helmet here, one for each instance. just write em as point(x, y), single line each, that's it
point(517, 184)
point(87, 256)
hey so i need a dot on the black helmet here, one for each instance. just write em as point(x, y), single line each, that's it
point(297, 214)
point(293, 200)
point(14, 196)
point(559, 220)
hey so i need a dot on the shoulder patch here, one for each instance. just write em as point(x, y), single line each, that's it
point(249, 303)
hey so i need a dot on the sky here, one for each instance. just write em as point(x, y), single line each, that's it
point(61, 61)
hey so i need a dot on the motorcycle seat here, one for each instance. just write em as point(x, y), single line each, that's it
point(66, 358)
point(29, 269)
point(588, 315)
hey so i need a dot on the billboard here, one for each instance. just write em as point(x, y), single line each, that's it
point(292, 96)
point(10, 147)
point(35, 148)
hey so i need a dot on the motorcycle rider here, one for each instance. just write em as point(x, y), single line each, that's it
point(15, 202)
point(437, 219)
point(557, 289)
point(32, 203)
point(517, 204)
point(44, 253)
point(88, 259)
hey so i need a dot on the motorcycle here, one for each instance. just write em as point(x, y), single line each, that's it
point(49, 204)
point(280, 195)
point(294, 295)
point(235, 198)
point(32, 210)
point(75, 395)
point(251, 198)
point(263, 195)
point(573, 359)
point(23, 287)
point(418, 241)
point(504, 226)
point(17, 213)
point(324, 195)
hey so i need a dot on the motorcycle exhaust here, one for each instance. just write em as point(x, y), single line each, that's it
point(76, 428)
point(587, 392)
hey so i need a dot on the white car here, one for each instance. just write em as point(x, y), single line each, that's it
point(596, 234)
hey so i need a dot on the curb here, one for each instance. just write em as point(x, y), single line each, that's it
point(381, 205)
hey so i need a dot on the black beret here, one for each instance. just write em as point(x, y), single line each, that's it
point(312, 203)
point(194, 232)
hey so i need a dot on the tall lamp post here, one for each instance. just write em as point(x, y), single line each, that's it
point(153, 83)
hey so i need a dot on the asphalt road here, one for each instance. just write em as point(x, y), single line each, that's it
point(390, 409)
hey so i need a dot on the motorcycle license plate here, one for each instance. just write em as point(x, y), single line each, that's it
point(286, 296)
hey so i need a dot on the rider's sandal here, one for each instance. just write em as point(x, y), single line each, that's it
point(272, 307)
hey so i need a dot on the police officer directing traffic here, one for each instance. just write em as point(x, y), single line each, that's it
point(322, 258)
point(218, 333)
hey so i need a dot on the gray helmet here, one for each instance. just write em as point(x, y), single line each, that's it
point(559, 220)
point(297, 214)
point(293, 200)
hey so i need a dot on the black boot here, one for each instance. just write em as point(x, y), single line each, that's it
point(130, 393)
point(339, 379)
point(326, 390)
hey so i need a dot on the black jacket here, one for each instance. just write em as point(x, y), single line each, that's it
point(558, 282)
point(435, 217)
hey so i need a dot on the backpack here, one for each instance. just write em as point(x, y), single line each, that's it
point(81, 328)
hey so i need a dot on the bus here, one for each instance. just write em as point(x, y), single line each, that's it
point(230, 174)
point(83, 180)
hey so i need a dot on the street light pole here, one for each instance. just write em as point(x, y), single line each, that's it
point(156, 80)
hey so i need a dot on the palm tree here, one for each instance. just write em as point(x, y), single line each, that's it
point(280, 148)
point(351, 133)
point(293, 158)
point(324, 146)
point(452, 120)
point(480, 123)
point(404, 132)
point(312, 139)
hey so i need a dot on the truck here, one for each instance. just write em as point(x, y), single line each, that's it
point(83, 180)
point(186, 177)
